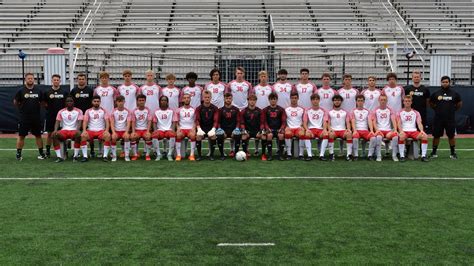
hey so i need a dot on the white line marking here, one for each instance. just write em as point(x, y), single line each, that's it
point(241, 178)
point(245, 244)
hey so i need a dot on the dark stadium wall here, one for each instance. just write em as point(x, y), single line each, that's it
point(465, 117)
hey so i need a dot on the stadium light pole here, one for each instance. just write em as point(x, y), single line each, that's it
point(22, 56)
point(409, 56)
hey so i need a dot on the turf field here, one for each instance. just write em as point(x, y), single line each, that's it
point(182, 221)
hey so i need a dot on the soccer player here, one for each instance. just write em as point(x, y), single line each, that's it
point(54, 100)
point(283, 88)
point(120, 121)
point(273, 123)
point(229, 122)
point(172, 92)
point(186, 127)
point(348, 93)
point(140, 120)
point(445, 103)
point(262, 90)
point(164, 124)
point(240, 89)
point(151, 90)
point(339, 126)
point(315, 123)
point(195, 91)
point(408, 121)
point(305, 89)
point(95, 126)
point(362, 127)
point(250, 119)
point(326, 92)
point(69, 119)
point(394, 93)
point(420, 95)
point(385, 126)
point(129, 90)
point(207, 121)
point(106, 92)
point(82, 93)
point(294, 126)
point(371, 94)
point(216, 87)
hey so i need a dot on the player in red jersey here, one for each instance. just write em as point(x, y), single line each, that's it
point(120, 121)
point(394, 93)
point(216, 87)
point(164, 123)
point(385, 126)
point(69, 119)
point(141, 119)
point(294, 126)
point(95, 126)
point(362, 127)
point(339, 127)
point(186, 127)
point(194, 90)
point(315, 123)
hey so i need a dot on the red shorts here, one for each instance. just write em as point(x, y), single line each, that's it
point(384, 133)
point(141, 133)
point(67, 134)
point(163, 134)
point(363, 134)
point(411, 134)
point(316, 132)
point(119, 134)
point(295, 132)
point(185, 133)
point(96, 134)
point(339, 134)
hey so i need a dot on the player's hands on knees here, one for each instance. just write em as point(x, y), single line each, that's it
point(84, 135)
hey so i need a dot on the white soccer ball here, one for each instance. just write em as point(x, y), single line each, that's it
point(241, 156)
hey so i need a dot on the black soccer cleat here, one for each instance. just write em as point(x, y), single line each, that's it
point(41, 157)
point(349, 158)
point(281, 158)
point(434, 155)
point(309, 158)
point(332, 157)
point(322, 158)
point(270, 158)
point(18, 157)
point(453, 156)
point(84, 160)
point(104, 159)
point(424, 159)
point(59, 160)
point(403, 159)
point(301, 158)
point(75, 159)
point(222, 157)
point(289, 157)
point(198, 158)
point(371, 158)
point(211, 158)
point(93, 154)
point(48, 155)
point(355, 158)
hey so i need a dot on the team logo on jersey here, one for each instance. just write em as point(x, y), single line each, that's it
point(77, 95)
point(440, 98)
point(51, 96)
point(28, 96)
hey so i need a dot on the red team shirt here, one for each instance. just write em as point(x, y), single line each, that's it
point(361, 117)
point(394, 97)
point(337, 119)
point(96, 119)
point(185, 117)
point(294, 117)
point(371, 99)
point(196, 95)
point(283, 90)
point(107, 97)
point(69, 119)
point(217, 91)
point(152, 93)
point(305, 91)
point(325, 97)
point(262, 93)
point(240, 91)
point(409, 120)
point(173, 96)
point(130, 93)
point(141, 118)
point(383, 118)
point(163, 119)
point(315, 118)
point(120, 119)
point(349, 96)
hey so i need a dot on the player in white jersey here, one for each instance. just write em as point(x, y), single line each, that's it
point(410, 126)
point(339, 127)
point(348, 93)
point(283, 89)
point(217, 88)
point(164, 124)
point(394, 93)
point(385, 126)
point(262, 90)
point(294, 126)
point(120, 126)
point(69, 119)
point(240, 89)
point(186, 127)
point(362, 127)
point(195, 91)
point(172, 92)
point(129, 90)
point(141, 119)
point(106, 92)
point(326, 92)
point(371, 94)
point(315, 123)
point(95, 126)
point(305, 89)
point(152, 92)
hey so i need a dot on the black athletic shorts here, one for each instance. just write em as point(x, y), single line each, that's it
point(439, 126)
point(49, 124)
point(29, 124)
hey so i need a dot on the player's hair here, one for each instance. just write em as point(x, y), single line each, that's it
point(149, 72)
point(445, 77)
point(191, 75)
point(252, 97)
point(187, 94)
point(56, 76)
point(240, 69)
point(337, 97)
point(120, 98)
point(81, 75)
point(214, 70)
point(294, 93)
point(315, 96)
point(29, 74)
point(282, 72)
point(170, 76)
point(164, 97)
point(304, 70)
point(383, 95)
point(326, 75)
point(372, 77)
point(126, 72)
point(391, 75)
point(207, 93)
point(416, 71)
point(263, 72)
point(347, 76)
point(96, 97)
point(273, 96)
point(103, 74)
point(227, 94)
point(141, 96)
point(408, 97)
point(360, 96)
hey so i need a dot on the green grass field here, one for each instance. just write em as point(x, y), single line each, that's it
point(310, 221)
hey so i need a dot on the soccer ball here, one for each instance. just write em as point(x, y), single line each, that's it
point(241, 156)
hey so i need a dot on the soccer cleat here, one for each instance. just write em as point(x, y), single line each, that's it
point(211, 158)
point(41, 157)
point(301, 158)
point(147, 158)
point(59, 160)
point(424, 159)
point(256, 153)
point(191, 158)
point(18, 157)
point(289, 157)
point(127, 158)
point(264, 157)
point(158, 158)
point(232, 154)
point(114, 159)
point(379, 159)
point(198, 158)
point(270, 158)
point(434, 155)
point(453, 156)
point(371, 158)
point(170, 157)
point(48, 155)
point(178, 158)
point(222, 157)
point(93, 154)
point(105, 160)
point(84, 159)
point(281, 158)
point(395, 158)
point(309, 158)
point(402, 159)
point(332, 157)
point(355, 158)
point(349, 158)
point(75, 159)
point(134, 158)
point(322, 158)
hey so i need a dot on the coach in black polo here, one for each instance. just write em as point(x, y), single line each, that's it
point(420, 95)
point(28, 100)
point(82, 93)
point(445, 103)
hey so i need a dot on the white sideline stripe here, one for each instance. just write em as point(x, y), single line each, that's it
point(205, 148)
point(245, 244)
point(242, 178)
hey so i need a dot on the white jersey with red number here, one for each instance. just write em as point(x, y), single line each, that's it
point(262, 93)
point(196, 94)
point(218, 91)
point(349, 96)
point(152, 93)
point(315, 118)
point(163, 119)
point(383, 118)
point(107, 97)
point(294, 117)
point(130, 93)
point(141, 118)
point(371, 99)
point(394, 97)
point(283, 90)
point(305, 91)
point(69, 119)
point(337, 119)
point(120, 119)
point(173, 96)
point(240, 91)
point(361, 117)
point(325, 97)
point(185, 117)
point(96, 119)
point(409, 120)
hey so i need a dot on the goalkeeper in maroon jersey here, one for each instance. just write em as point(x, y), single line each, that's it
point(229, 121)
point(250, 124)
point(273, 123)
point(207, 120)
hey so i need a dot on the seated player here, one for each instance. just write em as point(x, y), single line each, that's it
point(362, 127)
point(294, 126)
point(164, 124)
point(385, 126)
point(229, 121)
point(141, 119)
point(408, 121)
point(95, 126)
point(250, 123)
point(207, 121)
point(315, 123)
point(272, 124)
point(186, 127)
point(69, 119)
point(339, 127)
point(120, 120)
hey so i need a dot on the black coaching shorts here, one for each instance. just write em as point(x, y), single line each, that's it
point(439, 126)
point(29, 124)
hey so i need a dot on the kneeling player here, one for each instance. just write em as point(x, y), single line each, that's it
point(95, 126)
point(294, 127)
point(207, 120)
point(362, 127)
point(250, 124)
point(120, 126)
point(185, 116)
point(339, 127)
point(141, 120)
point(408, 120)
point(315, 123)
point(273, 123)
point(69, 118)
point(385, 126)
point(229, 121)
point(164, 124)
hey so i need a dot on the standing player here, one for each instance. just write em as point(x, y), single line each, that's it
point(129, 90)
point(371, 94)
point(385, 126)
point(362, 127)
point(240, 89)
point(217, 88)
point(326, 92)
point(273, 123)
point(408, 121)
point(420, 95)
point(339, 127)
point(141, 119)
point(151, 90)
point(106, 92)
point(186, 127)
point(95, 126)
point(229, 121)
point(172, 92)
point(294, 126)
point(195, 91)
point(82, 93)
point(262, 90)
point(283, 89)
point(250, 124)
point(305, 89)
point(315, 123)
point(348, 93)
point(207, 120)
point(164, 124)
point(69, 119)
point(394, 93)
point(120, 121)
